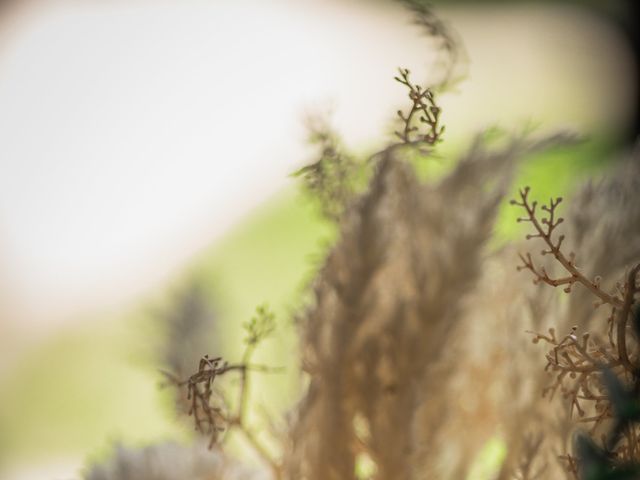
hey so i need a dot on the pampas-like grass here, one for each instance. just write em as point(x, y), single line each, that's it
point(387, 301)
point(415, 342)
point(602, 229)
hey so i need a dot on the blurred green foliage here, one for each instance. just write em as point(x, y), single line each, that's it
point(77, 391)
point(86, 387)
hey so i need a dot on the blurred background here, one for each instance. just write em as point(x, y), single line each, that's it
point(146, 149)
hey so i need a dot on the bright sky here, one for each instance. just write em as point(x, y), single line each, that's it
point(133, 134)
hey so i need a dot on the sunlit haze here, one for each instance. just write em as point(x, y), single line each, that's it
point(134, 134)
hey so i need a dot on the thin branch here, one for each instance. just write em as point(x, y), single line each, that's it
point(631, 289)
point(544, 229)
point(424, 111)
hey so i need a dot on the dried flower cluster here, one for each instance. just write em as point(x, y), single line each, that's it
point(423, 112)
point(587, 367)
point(414, 344)
point(212, 412)
point(387, 303)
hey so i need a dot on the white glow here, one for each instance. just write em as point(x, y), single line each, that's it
point(132, 134)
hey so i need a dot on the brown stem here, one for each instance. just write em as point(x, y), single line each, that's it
point(623, 316)
point(554, 249)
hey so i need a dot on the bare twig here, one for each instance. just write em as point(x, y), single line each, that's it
point(544, 229)
point(423, 111)
point(211, 419)
point(629, 297)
